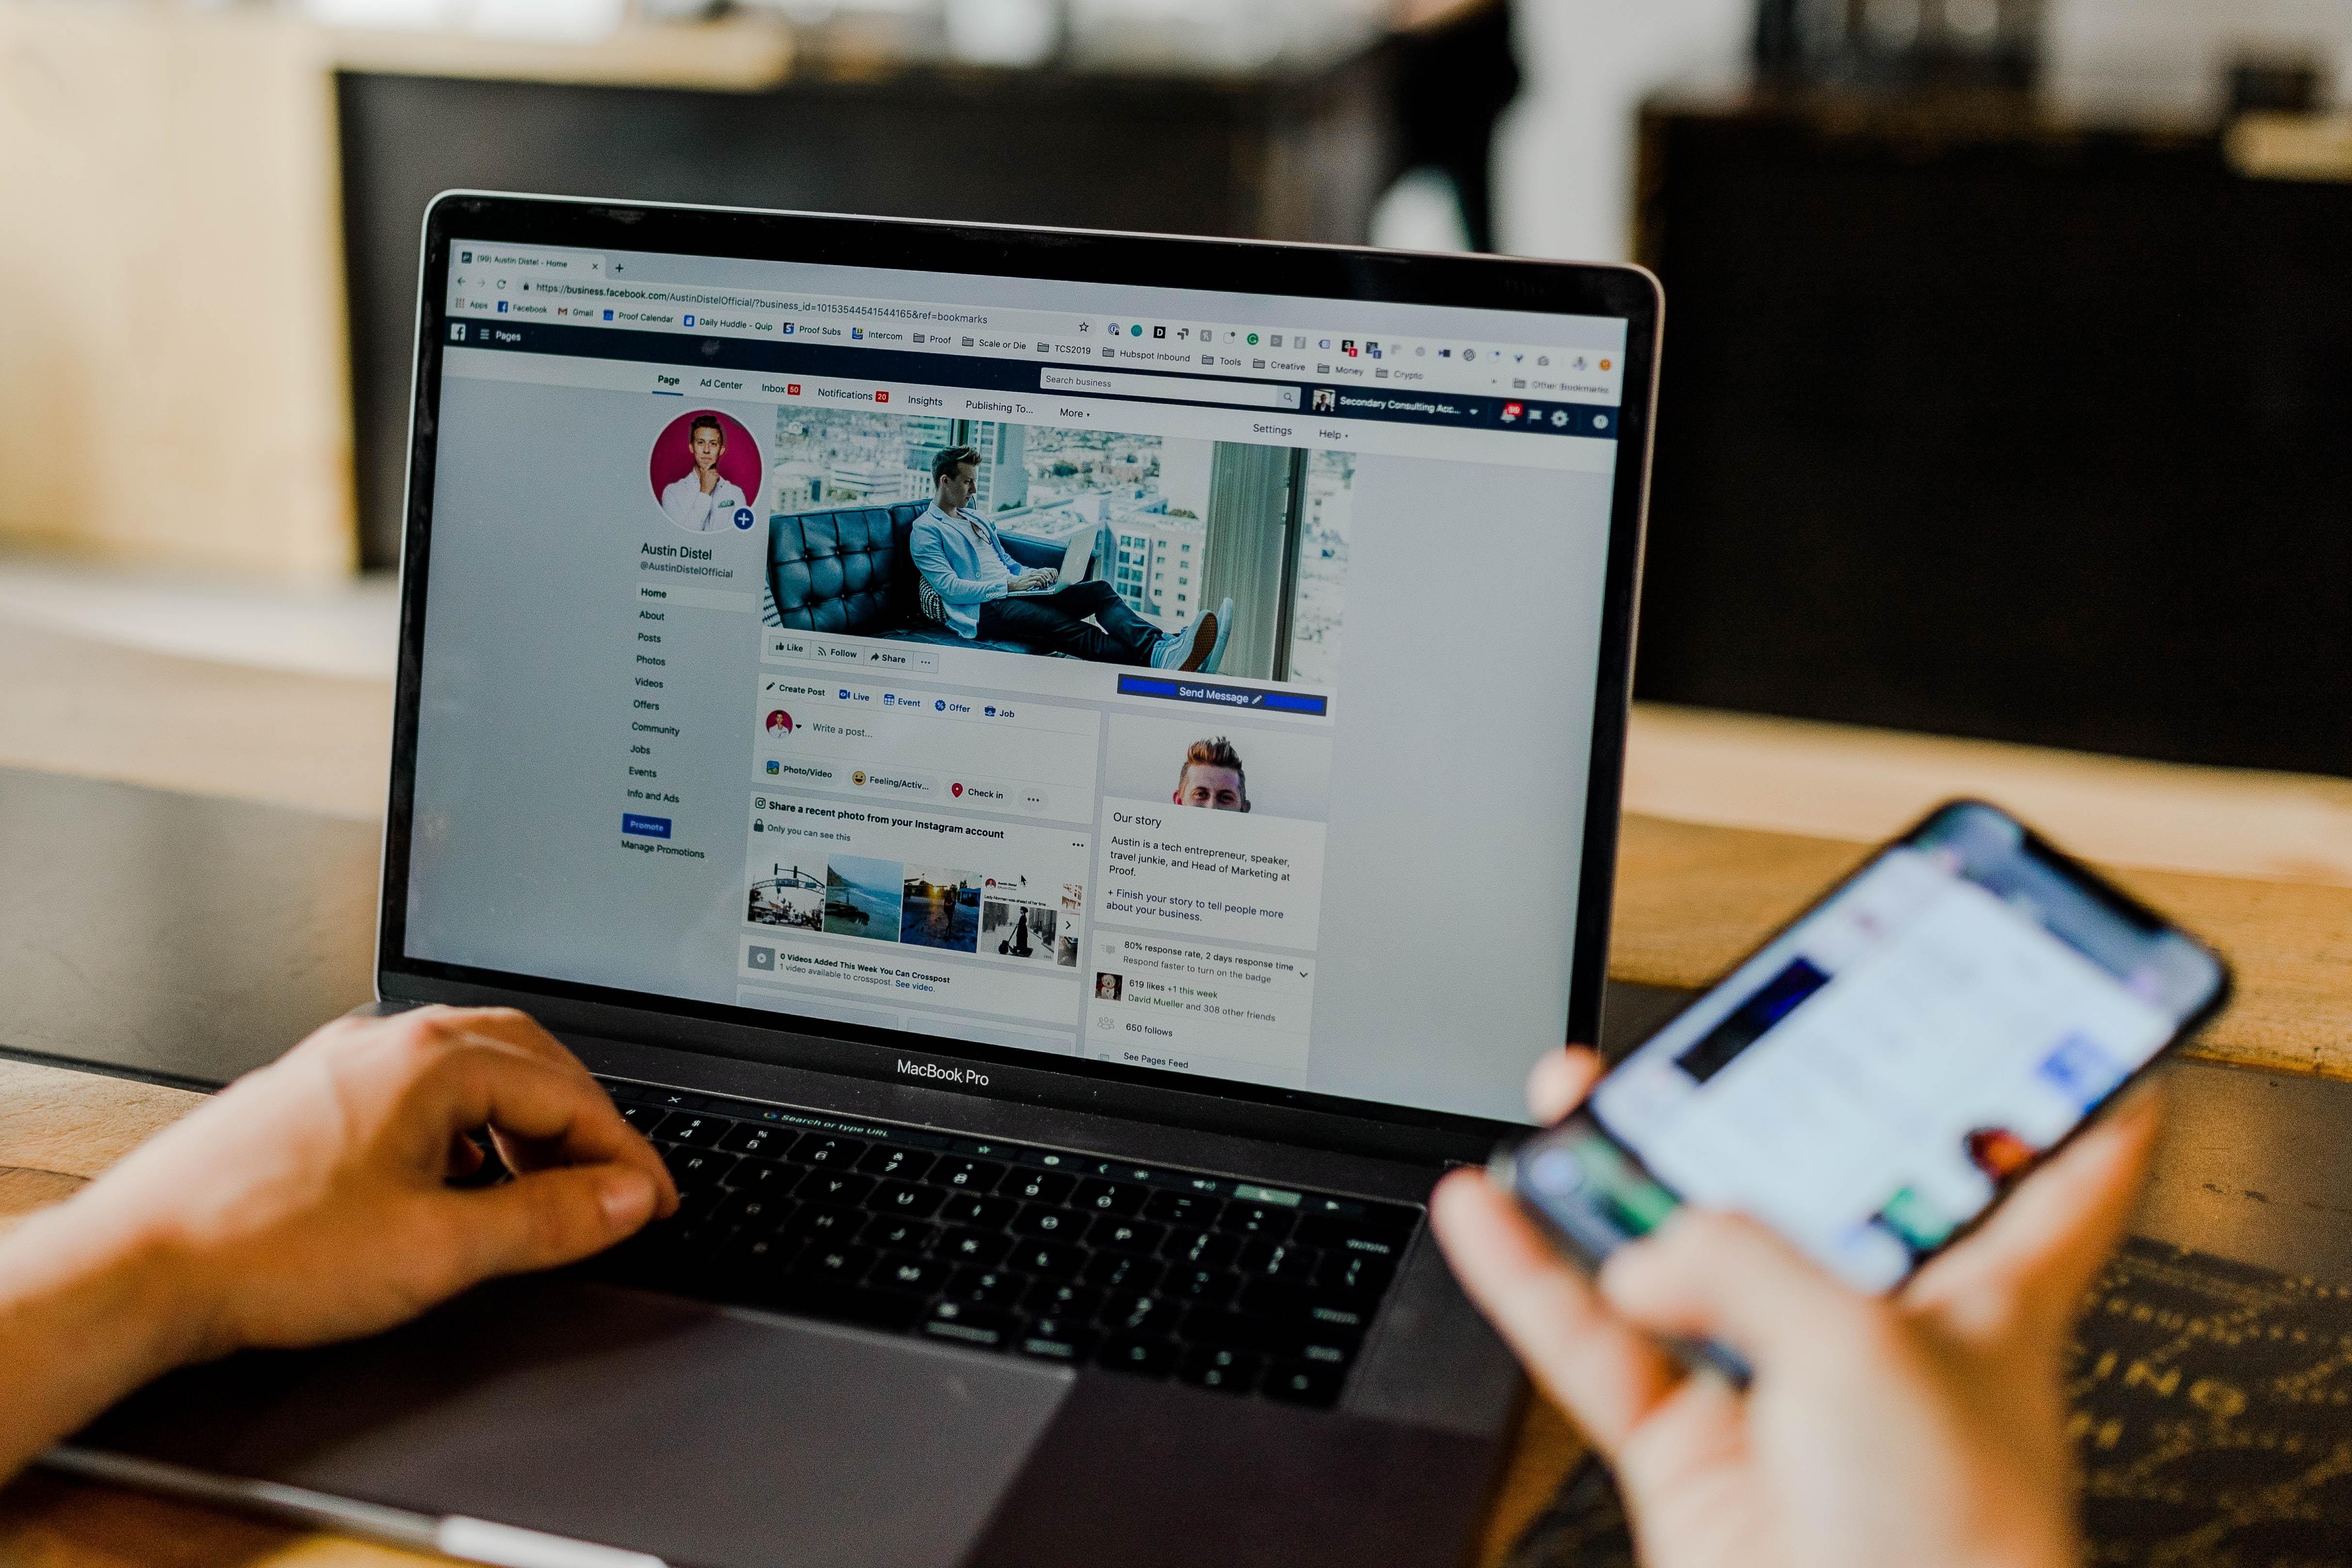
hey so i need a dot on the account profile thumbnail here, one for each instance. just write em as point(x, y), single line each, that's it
point(706, 471)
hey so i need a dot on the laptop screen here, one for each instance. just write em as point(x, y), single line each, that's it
point(1202, 683)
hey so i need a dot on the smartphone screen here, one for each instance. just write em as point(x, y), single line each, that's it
point(1871, 1080)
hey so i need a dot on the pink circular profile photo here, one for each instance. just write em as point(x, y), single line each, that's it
point(705, 473)
point(780, 723)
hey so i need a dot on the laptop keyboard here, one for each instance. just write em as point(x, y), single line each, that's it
point(1225, 1284)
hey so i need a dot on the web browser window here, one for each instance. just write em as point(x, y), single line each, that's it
point(724, 697)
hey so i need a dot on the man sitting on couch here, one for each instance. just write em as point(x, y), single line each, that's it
point(982, 593)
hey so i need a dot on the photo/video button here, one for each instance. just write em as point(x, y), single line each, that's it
point(803, 770)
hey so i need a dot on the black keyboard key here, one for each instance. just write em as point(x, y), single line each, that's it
point(980, 1247)
point(1272, 1299)
point(761, 1138)
point(1304, 1383)
point(1055, 1338)
point(980, 1213)
point(1064, 1299)
point(1122, 1272)
point(1363, 1237)
point(694, 1167)
point(987, 1327)
point(1220, 1367)
point(1052, 1224)
point(1285, 1262)
point(1138, 1316)
point(1201, 1249)
point(1354, 1274)
point(750, 1260)
point(755, 1212)
point(828, 1260)
point(893, 1161)
point(1189, 1209)
point(643, 1118)
point(1047, 1259)
point(966, 1176)
point(1327, 1350)
point(1338, 1314)
point(887, 1233)
point(696, 1204)
point(905, 1198)
point(1100, 1196)
point(1143, 1358)
point(1125, 1235)
point(838, 1187)
point(1257, 1220)
point(822, 1149)
point(1038, 1186)
point(827, 1225)
point(987, 1287)
point(923, 1276)
point(1200, 1287)
point(764, 1177)
point(1215, 1325)
point(692, 1127)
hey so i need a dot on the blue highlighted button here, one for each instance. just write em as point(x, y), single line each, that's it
point(645, 827)
point(1184, 689)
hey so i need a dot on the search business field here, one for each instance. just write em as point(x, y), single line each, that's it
point(1175, 389)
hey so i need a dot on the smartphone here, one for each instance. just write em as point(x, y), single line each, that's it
point(1872, 1080)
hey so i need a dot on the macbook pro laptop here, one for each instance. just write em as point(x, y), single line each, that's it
point(1053, 1054)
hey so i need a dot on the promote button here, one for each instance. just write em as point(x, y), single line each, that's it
point(645, 827)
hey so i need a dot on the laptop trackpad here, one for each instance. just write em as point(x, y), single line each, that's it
point(705, 1437)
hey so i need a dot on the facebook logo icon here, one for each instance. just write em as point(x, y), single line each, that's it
point(502, 306)
point(690, 320)
point(608, 314)
point(457, 331)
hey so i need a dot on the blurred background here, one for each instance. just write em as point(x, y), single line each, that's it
point(2009, 359)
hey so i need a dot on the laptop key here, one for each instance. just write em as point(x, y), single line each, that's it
point(987, 1287)
point(1201, 1249)
point(1283, 1261)
point(839, 1187)
point(1304, 1383)
point(1047, 1259)
point(825, 1260)
point(1099, 1196)
point(982, 1248)
point(988, 1327)
point(923, 1276)
point(1065, 1299)
point(887, 1233)
point(757, 1138)
point(1354, 1274)
point(820, 1298)
point(692, 1167)
point(823, 1223)
point(748, 1259)
point(1139, 1315)
point(1055, 1223)
point(692, 1127)
point(1200, 1287)
point(905, 1198)
point(980, 1213)
point(764, 1177)
point(1220, 1367)
point(1057, 1338)
point(1257, 1220)
point(966, 1176)
point(755, 1212)
point(1122, 1272)
point(643, 1118)
point(1143, 1358)
point(819, 1149)
point(1363, 1237)
point(888, 1160)
point(1192, 1211)
point(1039, 1186)
point(1125, 1235)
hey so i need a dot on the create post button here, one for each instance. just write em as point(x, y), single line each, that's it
point(645, 827)
point(1176, 688)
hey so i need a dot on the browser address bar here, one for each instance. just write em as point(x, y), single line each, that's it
point(1178, 389)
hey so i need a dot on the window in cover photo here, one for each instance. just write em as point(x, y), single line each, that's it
point(1183, 523)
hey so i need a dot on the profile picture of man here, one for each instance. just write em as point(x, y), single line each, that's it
point(1211, 777)
point(1107, 987)
point(780, 723)
point(1325, 400)
point(702, 499)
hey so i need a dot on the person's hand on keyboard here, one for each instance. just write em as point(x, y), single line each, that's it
point(311, 1201)
point(1924, 1428)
